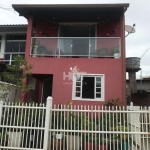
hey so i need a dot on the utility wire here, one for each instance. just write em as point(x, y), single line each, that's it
point(8, 9)
point(5, 5)
point(147, 49)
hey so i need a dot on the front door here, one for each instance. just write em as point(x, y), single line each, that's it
point(47, 88)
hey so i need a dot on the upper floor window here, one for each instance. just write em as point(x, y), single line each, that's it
point(15, 44)
point(16, 37)
point(88, 87)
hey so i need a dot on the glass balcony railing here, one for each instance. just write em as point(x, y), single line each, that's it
point(75, 47)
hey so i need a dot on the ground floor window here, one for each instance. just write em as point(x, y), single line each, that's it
point(88, 87)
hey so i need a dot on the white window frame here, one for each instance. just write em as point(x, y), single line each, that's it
point(102, 76)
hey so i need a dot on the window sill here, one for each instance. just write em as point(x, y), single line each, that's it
point(91, 100)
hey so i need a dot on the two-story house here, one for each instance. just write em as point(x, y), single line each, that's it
point(77, 52)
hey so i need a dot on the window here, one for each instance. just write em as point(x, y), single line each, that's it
point(15, 44)
point(88, 86)
point(14, 47)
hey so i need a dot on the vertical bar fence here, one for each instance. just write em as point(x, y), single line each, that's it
point(70, 127)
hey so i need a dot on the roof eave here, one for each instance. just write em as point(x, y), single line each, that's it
point(26, 10)
point(70, 5)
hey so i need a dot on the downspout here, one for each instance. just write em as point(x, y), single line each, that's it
point(123, 47)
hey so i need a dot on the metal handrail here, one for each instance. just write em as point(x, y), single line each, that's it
point(11, 53)
point(76, 37)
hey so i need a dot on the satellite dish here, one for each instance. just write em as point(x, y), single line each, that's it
point(129, 29)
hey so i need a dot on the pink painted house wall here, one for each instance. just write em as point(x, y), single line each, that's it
point(113, 69)
point(62, 90)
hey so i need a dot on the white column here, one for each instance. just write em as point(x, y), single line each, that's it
point(47, 121)
point(10, 59)
point(3, 43)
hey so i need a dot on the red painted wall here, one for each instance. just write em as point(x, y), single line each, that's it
point(113, 28)
point(62, 90)
point(110, 67)
point(108, 29)
point(44, 29)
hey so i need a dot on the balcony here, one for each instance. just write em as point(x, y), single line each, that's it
point(75, 47)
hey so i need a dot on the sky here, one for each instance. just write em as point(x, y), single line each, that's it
point(138, 12)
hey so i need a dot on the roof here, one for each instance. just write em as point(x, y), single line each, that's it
point(70, 5)
point(76, 12)
point(9, 28)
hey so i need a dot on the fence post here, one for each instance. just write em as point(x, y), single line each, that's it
point(47, 121)
point(1, 107)
point(10, 59)
point(131, 103)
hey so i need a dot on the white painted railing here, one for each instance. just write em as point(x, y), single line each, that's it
point(22, 126)
point(69, 127)
point(8, 56)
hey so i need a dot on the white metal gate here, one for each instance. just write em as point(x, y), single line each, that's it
point(69, 127)
point(139, 121)
point(22, 126)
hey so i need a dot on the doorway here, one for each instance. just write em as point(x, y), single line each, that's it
point(78, 43)
point(47, 88)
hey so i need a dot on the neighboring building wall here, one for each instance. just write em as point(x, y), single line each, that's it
point(11, 94)
point(141, 99)
point(143, 85)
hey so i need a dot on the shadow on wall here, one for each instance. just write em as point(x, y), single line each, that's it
point(141, 99)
